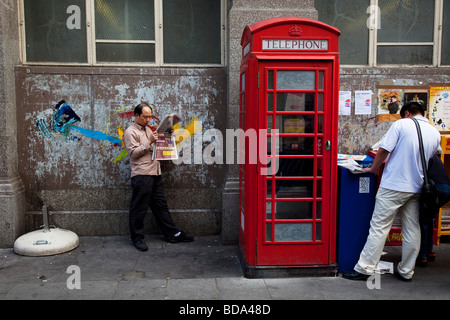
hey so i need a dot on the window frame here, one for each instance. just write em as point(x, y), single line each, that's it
point(92, 41)
point(374, 43)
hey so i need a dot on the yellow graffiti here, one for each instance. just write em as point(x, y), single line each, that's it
point(188, 132)
point(124, 152)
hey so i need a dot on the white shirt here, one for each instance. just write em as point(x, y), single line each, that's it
point(403, 170)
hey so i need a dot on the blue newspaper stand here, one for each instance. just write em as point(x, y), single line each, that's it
point(356, 197)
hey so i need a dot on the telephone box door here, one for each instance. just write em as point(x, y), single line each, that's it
point(295, 191)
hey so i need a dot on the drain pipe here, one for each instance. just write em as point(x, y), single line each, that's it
point(46, 224)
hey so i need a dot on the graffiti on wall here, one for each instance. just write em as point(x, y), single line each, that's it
point(64, 127)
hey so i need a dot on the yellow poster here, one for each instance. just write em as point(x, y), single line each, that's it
point(439, 112)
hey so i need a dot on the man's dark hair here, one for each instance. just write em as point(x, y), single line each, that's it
point(413, 107)
point(139, 107)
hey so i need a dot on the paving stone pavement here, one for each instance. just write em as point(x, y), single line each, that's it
point(110, 268)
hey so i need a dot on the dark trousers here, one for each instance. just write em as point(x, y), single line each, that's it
point(148, 192)
point(427, 222)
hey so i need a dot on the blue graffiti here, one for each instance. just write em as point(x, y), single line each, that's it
point(63, 116)
point(95, 134)
point(63, 122)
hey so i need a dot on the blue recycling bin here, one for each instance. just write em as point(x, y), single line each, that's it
point(356, 200)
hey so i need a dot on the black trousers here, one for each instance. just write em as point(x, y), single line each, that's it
point(148, 192)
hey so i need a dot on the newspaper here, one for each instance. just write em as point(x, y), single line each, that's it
point(165, 148)
point(384, 267)
point(168, 122)
point(351, 165)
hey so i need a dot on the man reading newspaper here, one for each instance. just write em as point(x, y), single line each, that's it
point(146, 181)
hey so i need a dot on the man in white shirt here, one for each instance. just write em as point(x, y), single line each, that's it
point(399, 192)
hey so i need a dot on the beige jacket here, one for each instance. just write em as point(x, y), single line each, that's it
point(137, 142)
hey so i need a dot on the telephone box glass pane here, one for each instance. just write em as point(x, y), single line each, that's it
point(268, 210)
point(293, 102)
point(319, 188)
point(293, 189)
point(295, 146)
point(270, 102)
point(269, 232)
point(293, 232)
point(318, 231)
point(320, 102)
point(270, 80)
point(319, 210)
point(295, 123)
point(269, 126)
point(293, 210)
point(321, 80)
point(319, 167)
point(269, 188)
point(296, 80)
point(296, 168)
point(320, 123)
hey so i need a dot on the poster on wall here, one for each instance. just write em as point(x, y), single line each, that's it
point(417, 95)
point(363, 102)
point(389, 104)
point(439, 110)
point(345, 103)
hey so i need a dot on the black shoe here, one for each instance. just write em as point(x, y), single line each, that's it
point(421, 262)
point(355, 275)
point(140, 245)
point(400, 277)
point(182, 237)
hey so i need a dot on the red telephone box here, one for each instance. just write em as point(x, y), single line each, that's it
point(289, 90)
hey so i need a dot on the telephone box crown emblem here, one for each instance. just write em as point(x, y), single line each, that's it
point(295, 31)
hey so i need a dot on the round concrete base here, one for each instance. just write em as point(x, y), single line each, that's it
point(46, 243)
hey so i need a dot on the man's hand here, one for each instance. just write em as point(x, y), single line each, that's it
point(154, 136)
point(371, 170)
point(378, 161)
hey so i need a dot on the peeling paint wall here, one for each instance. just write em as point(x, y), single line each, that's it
point(357, 133)
point(76, 172)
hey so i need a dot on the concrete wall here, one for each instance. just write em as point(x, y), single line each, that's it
point(12, 192)
point(76, 175)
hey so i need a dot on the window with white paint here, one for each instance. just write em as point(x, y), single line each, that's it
point(390, 32)
point(53, 35)
point(123, 32)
